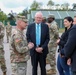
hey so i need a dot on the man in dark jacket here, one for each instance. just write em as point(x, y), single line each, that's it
point(38, 38)
point(70, 48)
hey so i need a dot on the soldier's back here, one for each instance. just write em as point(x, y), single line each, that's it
point(8, 27)
point(53, 30)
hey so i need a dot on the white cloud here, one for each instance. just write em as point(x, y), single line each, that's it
point(19, 5)
point(16, 3)
point(8, 10)
point(16, 6)
point(64, 1)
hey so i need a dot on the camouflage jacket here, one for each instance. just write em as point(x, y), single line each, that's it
point(19, 49)
point(53, 31)
point(1, 36)
point(8, 29)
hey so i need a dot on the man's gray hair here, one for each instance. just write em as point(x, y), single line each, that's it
point(39, 13)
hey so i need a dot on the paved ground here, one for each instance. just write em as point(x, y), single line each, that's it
point(7, 57)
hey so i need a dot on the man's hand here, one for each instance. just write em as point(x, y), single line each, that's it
point(61, 55)
point(48, 24)
point(58, 41)
point(69, 61)
point(39, 49)
point(30, 45)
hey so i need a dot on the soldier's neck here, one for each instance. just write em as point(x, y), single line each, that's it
point(19, 28)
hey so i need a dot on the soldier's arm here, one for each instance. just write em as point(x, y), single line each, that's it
point(2, 32)
point(20, 45)
point(55, 31)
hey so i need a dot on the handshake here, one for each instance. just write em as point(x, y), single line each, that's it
point(30, 45)
point(38, 49)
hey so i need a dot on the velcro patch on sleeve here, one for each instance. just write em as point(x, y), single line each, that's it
point(18, 40)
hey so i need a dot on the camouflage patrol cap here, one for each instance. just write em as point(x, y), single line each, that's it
point(21, 18)
point(44, 17)
point(51, 16)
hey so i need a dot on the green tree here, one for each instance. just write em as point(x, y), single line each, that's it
point(57, 6)
point(65, 6)
point(35, 5)
point(21, 13)
point(50, 3)
point(74, 5)
point(3, 16)
point(62, 6)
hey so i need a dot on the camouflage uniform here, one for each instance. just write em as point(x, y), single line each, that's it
point(53, 30)
point(19, 53)
point(44, 20)
point(2, 59)
point(8, 31)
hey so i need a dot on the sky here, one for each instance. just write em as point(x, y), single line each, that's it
point(19, 5)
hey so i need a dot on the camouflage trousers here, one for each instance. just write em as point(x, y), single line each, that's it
point(19, 68)
point(51, 56)
point(2, 61)
point(8, 36)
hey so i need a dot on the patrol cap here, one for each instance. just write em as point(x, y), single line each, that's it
point(18, 17)
point(51, 16)
point(44, 17)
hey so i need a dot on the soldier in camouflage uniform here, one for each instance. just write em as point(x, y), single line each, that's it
point(44, 20)
point(54, 35)
point(19, 51)
point(2, 60)
point(8, 31)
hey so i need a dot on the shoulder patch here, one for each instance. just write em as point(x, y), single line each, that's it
point(18, 40)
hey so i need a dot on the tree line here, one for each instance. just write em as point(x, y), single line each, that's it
point(37, 6)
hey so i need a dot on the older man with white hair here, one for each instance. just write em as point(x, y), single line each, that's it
point(38, 38)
